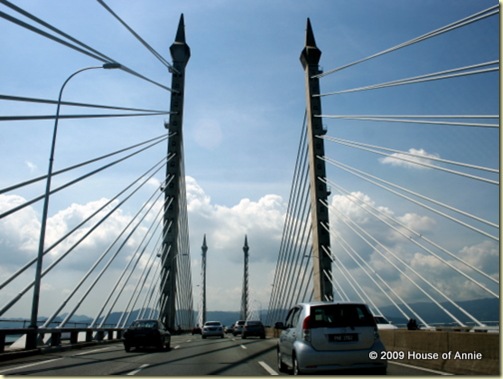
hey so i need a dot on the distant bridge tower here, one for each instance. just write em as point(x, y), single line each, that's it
point(180, 53)
point(204, 249)
point(244, 296)
point(310, 57)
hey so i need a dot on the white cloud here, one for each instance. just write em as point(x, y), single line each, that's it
point(225, 227)
point(420, 157)
point(31, 166)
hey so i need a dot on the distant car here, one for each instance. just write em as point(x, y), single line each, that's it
point(229, 329)
point(238, 327)
point(213, 329)
point(383, 323)
point(328, 336)
point(196, 330)
point(253, 328)
point(146, 333)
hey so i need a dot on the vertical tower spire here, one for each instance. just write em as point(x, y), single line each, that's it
point(204, 249)
point(174, 182)
point(244, 296)
point(322, 264)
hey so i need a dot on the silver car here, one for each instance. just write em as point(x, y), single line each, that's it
point(330, 336)
point(212, 329)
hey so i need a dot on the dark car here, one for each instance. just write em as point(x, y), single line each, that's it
point(253, 328)
point(147, 333)
point(196, 330)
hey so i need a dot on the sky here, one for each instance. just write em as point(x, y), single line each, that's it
point(244, 109)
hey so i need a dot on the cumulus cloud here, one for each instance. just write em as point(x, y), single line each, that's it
point(417, 160)
point(225, 227)
point(382, 241)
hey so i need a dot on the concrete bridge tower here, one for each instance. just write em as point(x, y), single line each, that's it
point(180, 53)
point(204, 249)
point(322, 263)
point(244, 296)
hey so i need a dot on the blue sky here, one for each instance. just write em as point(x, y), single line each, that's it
point(244, 108)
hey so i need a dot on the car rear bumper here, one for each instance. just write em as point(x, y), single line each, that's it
point(311, 361)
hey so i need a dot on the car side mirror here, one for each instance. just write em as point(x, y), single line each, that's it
point(279, 325)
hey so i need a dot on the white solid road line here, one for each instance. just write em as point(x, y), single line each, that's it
point(29, 365)
point(268, 368)
point(92, 351)
point(138, 369)
point(420, 368)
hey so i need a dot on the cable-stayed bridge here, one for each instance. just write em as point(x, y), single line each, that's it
point(368, 190)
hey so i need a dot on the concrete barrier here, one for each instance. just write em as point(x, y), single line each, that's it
point(450, 351)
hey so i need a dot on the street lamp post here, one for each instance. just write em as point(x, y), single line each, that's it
point(38, 269)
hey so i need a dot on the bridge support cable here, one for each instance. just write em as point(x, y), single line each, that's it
point(372, 275)
point(377, 246)
point(448, 74)
point(295, 236)
point(67, 252)
point(58, 172)
point(75, 104)
point(400, 228)
point(478, 16)
point(420, 159)
point(74, 44)
point(374, 180)
point(149, 174)
point(74, 181)
point(96, 279)
point(137, 36)
point(422, 119)
point(118, 287)
point(146, 210)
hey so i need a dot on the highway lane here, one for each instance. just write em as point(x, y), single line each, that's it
point(189, 356)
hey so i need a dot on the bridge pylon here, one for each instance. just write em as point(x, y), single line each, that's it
point(244, 296)
point(204, 249)
point(180, 53)
point(322, 263)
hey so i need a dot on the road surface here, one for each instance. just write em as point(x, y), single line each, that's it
point(189, 356)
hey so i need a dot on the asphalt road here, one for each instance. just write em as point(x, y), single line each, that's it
point(189, 356)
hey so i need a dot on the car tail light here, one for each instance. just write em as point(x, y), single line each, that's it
point(376, 333)
point(306, 329)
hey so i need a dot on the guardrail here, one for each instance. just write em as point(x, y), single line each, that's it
point(55, 337)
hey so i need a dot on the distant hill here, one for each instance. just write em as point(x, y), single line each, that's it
point(482, 309)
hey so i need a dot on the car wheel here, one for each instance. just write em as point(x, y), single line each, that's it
point(127, 348)
point(281, 366)
point(203, 337)
point(243, 336)
point(295, 364)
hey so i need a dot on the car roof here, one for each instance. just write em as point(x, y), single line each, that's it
point(146, 320)
point(315, 303)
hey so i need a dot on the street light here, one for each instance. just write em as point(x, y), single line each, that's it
point(38, 269)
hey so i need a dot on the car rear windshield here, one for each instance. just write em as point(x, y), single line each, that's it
point(340, 315)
